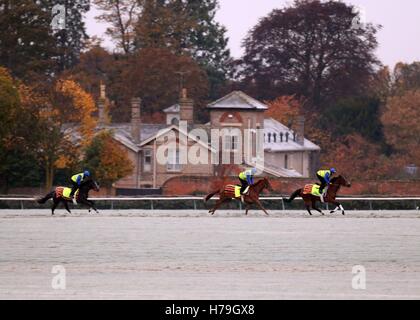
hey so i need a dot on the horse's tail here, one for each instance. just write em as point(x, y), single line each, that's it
point(46, 198)
point(211, 195)
point(293, 196)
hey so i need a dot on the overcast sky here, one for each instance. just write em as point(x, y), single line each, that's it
point(399, 39)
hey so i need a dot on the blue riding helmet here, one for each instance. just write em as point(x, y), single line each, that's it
point(333, 170)
point(86, 173)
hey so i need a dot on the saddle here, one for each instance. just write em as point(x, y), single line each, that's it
point(312, 189)
point(65, 193)
point(235, 191)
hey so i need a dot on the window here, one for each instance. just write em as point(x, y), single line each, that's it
point(294, 136)
point(231, 143)
point(175, 121)
point(275, 137)
point(286, 161)
point(287, 136)
point(173, 161)
point(235, 143)
point(147, 161)
point(269, 138)
point(281, 136)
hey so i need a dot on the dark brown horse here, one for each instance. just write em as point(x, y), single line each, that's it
point(311, 200)
point(253, 197)
point(81, 196)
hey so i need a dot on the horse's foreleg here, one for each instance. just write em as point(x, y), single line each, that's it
point(308, 207)
point(338, 207)
point(261, 207)
point(247, 209)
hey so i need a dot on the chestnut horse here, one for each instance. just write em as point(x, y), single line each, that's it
point(253, 196)
point(311, 200)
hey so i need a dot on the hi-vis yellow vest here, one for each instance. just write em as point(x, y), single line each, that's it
point(323, 173)
point(74, 178)
point(244, 174)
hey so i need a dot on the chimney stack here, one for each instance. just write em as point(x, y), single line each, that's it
point(186, 108)
point(300, 130)
point(102, 112)
point(136, 119)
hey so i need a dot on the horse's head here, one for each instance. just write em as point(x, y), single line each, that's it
point(341, 181)
point(267, 185)
point(90, 184)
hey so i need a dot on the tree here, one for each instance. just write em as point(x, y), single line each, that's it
point(80, 108)
point(310, 49)
point(285, 109)
point(70, 41)
point(354, 115)
point(400, 118)
point(187, 27)
point(152, 74)
point(27, 46)
point(122, 16)
point(107, 160)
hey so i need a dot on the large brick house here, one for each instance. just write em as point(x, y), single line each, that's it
point(283, 152)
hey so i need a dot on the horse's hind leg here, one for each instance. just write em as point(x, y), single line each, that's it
point(317, 209)
point(55, 204)
point(261, 207)
point(217, 206)
point(66, 205)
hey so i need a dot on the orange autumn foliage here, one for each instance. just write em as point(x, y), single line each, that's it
point(83, 108)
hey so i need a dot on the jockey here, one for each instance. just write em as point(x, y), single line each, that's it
point(325, 177)
point(76, 181)
point(247, 178)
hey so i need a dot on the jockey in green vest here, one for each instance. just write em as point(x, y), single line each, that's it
point(324, 177)
point(76, 181)
point(247, 178)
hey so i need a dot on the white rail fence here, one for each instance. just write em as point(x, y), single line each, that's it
point(153, 200)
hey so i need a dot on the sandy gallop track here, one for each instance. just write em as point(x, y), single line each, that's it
point(181, 255)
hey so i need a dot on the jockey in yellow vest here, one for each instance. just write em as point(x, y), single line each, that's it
point(76, 181)
point(324, 177)
point(247, 178)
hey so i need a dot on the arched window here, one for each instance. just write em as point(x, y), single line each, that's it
point(286, 161)
point(275, 137)
point(175, 121)
point(287, 136)
point(281, 136)
point(269, 138)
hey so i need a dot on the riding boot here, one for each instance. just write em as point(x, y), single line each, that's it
point(74, 200)
point(322, 197)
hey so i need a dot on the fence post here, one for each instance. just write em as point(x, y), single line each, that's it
point(195, 205)
point(370, 205)
point(240, 205)
point(282, 204)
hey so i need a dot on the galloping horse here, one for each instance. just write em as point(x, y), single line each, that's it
point(227, 194)
point(60, 195)
point(311, 200)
